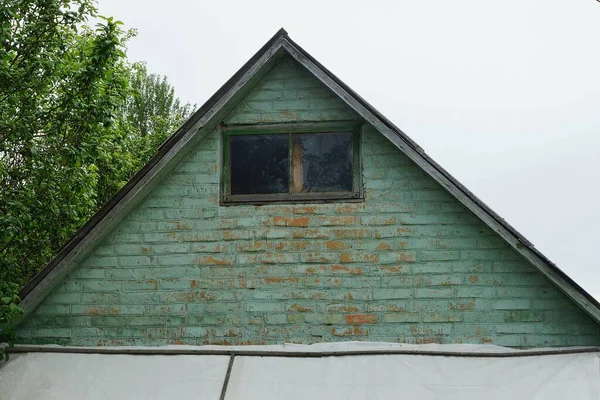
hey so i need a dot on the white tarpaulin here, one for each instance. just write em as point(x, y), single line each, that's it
point(293, 372)
point(558, 377)
point(54, 376)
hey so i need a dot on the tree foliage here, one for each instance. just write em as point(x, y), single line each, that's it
point(10, 312)
point(76, 122)
point(153, 108)
point(60, 89)
point(149, 114)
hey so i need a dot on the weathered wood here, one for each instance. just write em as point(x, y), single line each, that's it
point(292, 197)
point(297, 167)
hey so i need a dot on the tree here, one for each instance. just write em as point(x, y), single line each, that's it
point(10, 312)
point(150, 113)
point(60, 89)
point(76, 122)
point(153, 111)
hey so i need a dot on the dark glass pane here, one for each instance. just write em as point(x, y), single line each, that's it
point(322, 162)
point(259, 164)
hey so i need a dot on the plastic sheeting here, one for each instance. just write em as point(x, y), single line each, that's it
point(52, 376)
point(49, 376)
point(548, 377)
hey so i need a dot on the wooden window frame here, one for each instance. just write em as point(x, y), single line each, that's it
point(356, 195)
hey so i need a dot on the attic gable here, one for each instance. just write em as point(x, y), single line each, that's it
point(420, 260)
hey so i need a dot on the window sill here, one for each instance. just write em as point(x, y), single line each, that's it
point(304, 198)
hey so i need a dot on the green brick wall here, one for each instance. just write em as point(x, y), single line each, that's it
point(410, 264)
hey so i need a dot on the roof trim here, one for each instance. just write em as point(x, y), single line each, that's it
point(34, 291)
point(302, 351)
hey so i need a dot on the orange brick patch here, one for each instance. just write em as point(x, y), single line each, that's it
point(335, 245)
point(305, 210)
point(358, 319)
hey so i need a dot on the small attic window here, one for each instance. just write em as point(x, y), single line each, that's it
point(264, 164)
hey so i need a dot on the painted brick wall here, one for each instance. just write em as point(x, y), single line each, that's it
point(410, 264)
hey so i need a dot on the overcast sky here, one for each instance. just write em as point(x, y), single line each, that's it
point(503, 94)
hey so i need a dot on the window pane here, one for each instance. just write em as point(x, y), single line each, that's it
point(259, 164)
point(322, 162)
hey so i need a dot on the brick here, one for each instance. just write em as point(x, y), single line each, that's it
point(432, 268)
point(263, 306)
point(54, 332)
point(64, 298)
point(164, 309)
point(518, 292)
point(431, 329)
point(356, 233)
point(311, 233)
point(169, 248)
point(383, 294)
point(361, 257)
point(134, 261)
point(442, 317)
point(386, 306)
point(101, 262)
point(359, 319)
point(333, 221)
point(439, 280)
point(176, 284)
point(511, 304)
point(275, 233)
point(398, 282)
point(428, 305)
point(99, 298)
point(462, 243)
point(401, 317)
point(323, 319)
point(319, 257)
point(89, 273)
point(139, 298)
point(215, 260)
point(56, 309)
point(397, 257)
point(391, 232)
point(209, 247)
point(442, 255)
point(476, 291)
point(275, 258)
point(472, 329)
point(549, 304)
point(433, 293)
point(258, 245)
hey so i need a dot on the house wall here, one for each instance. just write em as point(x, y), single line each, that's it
point(409, 264)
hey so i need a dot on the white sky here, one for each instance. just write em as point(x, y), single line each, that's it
point(505, 95)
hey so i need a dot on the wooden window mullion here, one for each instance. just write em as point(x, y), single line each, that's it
point(297, 167)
